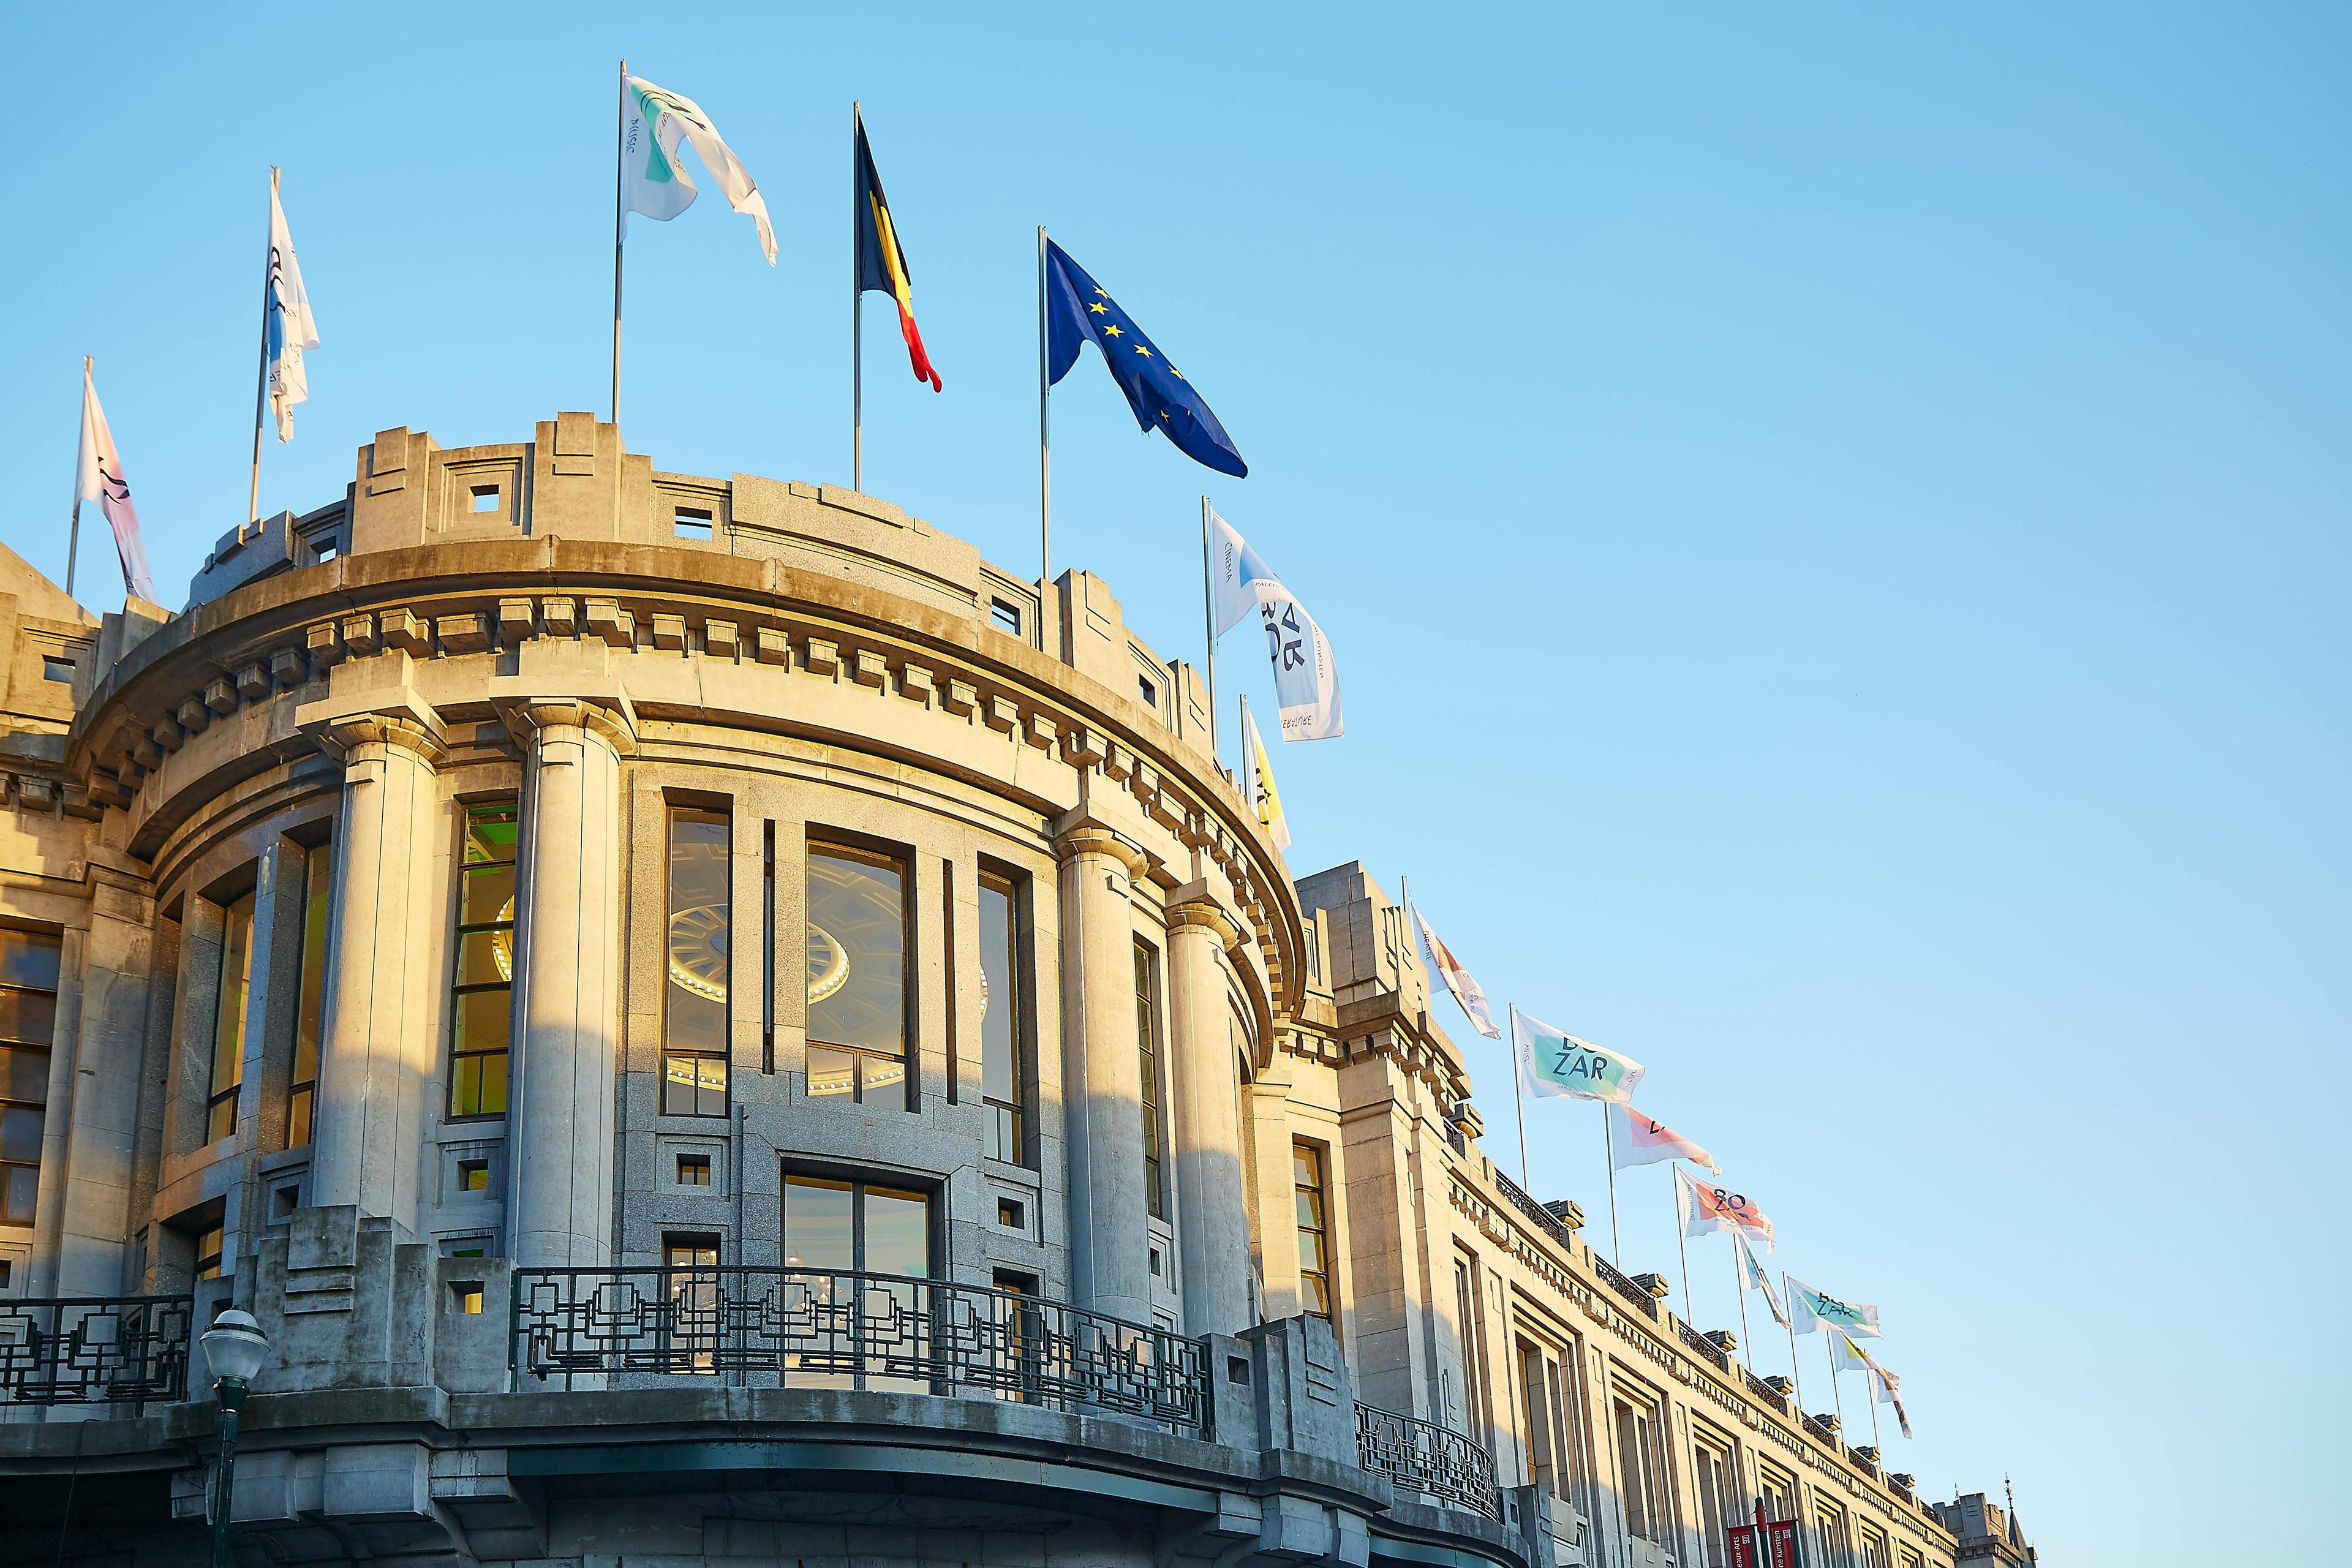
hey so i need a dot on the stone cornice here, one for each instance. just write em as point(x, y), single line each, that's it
point(613, 723)
point(1086, 838)
point(344, 738)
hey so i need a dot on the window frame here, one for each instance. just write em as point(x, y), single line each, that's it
point(459, 989)
point(228, 1031)
point(673, 814)
point(311, 994)
point(1008, 1125)
point(1319, 1189)
point(50, 941)
point(1149, 1053)
point(902, 860)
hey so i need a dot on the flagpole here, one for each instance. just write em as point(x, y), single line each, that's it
point(1789, 1299)
point(1616, 1242)
point(73, 533)
point(1682, 1240)
point(1837, 1398)
point(620, 186)
point(1519, 1100)
point(261, 379)
point(1209, 625)
point(1870, 1397)
point(1044, 448)
point(1739, 1286)
point(857, 315)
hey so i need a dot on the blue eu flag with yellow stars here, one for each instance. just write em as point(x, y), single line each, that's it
point(1078, 313)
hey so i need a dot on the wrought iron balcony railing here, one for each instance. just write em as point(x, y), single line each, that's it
point(95, 1350)
point(1759, 1389)
point(1422, 1456)
point(1542, 1219)
point(1706, 1349)
point(802, 1328)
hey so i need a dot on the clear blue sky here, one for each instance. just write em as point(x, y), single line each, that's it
point(1832, 518)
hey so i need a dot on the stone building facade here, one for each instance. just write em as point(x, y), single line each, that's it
point(708, 1022)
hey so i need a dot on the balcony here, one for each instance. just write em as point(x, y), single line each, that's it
point(773, 1328)
point(1422, 1456)
point(95, 1350)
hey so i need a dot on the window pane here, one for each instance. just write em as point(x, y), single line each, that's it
point(856, 950)
point(23, 1187)
point(297, 1118)
point(486, 958)
point(817, 1227)
point(1000, 1063)
point(830, 1072)
point(20, 1133)
point(494, 1085)
point(711, 1085)
point(24, 1074)
point(490, 832)
point(29, 1015)
point(27, 958)
point(880, 1073)
point(700, 916)
point(485, 1019)
point(320, 873)
point(235, 976)
point(897, 1232)
point(489, 896)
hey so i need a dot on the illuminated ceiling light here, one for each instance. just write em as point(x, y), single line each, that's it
point(828, 963)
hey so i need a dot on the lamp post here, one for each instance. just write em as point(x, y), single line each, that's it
point(234, 1348)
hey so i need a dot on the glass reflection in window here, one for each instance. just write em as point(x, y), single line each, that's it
point(1002, 1032)
point(483, 991)
point(701, 916)
point(856, 973)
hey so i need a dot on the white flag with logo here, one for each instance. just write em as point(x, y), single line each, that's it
point(1711, 1205)
point(653, 122)
point(1306, 678)
point(98, 477)
point(1468, 991)
point(1752, 1275)
point(291, 328)
point(1819, 1310)
point(1265, 799)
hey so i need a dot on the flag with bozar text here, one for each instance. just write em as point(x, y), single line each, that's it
point(1819, 1310)
point(1644, 1140)
point(1712, 1206)
point(1553, 1062)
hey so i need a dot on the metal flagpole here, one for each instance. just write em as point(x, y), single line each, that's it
point(1044, 446)
point(1837, 1399)
point(73, 534)
point(1795, 1376)
point(1869, 1398)
point(1682, 1240)
point(856, 314)
point(620, 188)
point(1616, 1242)
point(261, 381)
point(1739, 1288)
point(1519, 1100)
point(1209, 625)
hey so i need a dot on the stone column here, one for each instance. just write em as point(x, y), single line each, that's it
point(1111, 1245)
point(568, 985)
point(378, 1046)
point(1213, 1217)
point(109, 1057)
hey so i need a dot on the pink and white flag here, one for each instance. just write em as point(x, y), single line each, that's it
point(1711, 1205)
point(98, 477)
point(1466, 991)
point(1641, 1140)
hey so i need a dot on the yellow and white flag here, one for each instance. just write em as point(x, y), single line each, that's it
point(1265, 799)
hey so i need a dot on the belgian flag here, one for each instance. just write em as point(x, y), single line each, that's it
point(881, 265)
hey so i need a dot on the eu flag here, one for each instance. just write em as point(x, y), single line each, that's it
point(1078, 313)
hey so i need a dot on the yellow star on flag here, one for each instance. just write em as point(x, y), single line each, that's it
point(1113, 333)
point(1100, 310)
point(1144, 352)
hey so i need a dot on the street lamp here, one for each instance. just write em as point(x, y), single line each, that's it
point(234, 1347)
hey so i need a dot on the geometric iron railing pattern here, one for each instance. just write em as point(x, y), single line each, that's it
point(1764, 1391)
point(816, 1328)
point(95, 1350)
point(1625, 1288)
point(1422, 1456)
point(1706, 1349)
point(1543, 1219)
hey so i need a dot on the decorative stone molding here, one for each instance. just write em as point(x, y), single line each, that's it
point(1190, 906)
point(614, 721)
point(1091, 838)
point(342, 739)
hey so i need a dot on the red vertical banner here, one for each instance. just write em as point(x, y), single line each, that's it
point(1743, 1547)
point(1781, 1543)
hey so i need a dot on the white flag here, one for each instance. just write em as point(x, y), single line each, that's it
point(1468, 991)
point(1641, 1141)
point(1306, 678)
point(1711, 1205)
point(1265, 799)
point(654, 123)
point(291, 327)
point(1553, 1062)
point(98, 477)
point(1822, 1310)
point(1752, 1273)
